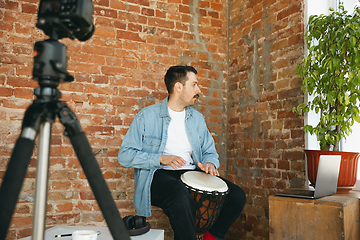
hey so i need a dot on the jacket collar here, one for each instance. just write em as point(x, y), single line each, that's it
point(164, 112)
point(164, 108)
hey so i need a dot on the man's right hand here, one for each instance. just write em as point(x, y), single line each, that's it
point(172, 160)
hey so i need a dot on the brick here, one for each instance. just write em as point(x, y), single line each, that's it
point(102, 2)
point(97, 99)
point(11, 59)
point(20, 222)
point(160, 14)
point(298, 166)
point(101, 79)
point(6, 26)
point(120, 25)
point(161, 23)
point(109, 70)
point(22, 209)
point(294, 123)
point(6, 92)
point(84, 206)
point(92, 217)
point(21, 82)
point(23, 93)
point(87, 195)
point(286, 114)
point(84, 68)
point(140, 2)
point(65, 207)
point(126, 63)
point(24, 70)
point(73, 87)
point(29, 8)
point(98, 50)
point(296, 8)
point(100, 130)
point(61, 185)
point(133, 8)
point(134, 27)
point(63, 219)
point(147, 12)
point(129, 36)
point(104, 12)
point(117, 101)
point(62, 195)
point(11, 5)
point(102, 21)
point(294, 155)
point(104, 32)
point(297, 133)
point(297, 39)
point(16, 103)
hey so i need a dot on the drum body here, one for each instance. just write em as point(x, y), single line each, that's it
point(209, 193)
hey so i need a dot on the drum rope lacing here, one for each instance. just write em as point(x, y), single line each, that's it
point(208, 207)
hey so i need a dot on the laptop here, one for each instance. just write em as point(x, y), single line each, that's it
point(326, 180)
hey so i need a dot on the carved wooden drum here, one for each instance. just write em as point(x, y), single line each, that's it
point(209, 193)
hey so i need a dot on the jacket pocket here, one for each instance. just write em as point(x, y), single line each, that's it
point(201, 139)
point(151, 143)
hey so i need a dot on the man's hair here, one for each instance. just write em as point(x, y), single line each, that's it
point(177, 74)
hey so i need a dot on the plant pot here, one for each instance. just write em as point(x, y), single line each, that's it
point(348, 167)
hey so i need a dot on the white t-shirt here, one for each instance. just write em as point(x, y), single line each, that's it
point(177, 141)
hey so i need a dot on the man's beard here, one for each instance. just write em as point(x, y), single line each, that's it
point(195, 98)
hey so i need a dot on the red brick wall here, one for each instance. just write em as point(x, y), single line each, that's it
point(266, 140)
point(118, 71)
point(245, 52)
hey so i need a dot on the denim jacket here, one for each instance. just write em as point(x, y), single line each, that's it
point(145, 141)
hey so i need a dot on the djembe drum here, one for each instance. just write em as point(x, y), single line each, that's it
point(209, 193)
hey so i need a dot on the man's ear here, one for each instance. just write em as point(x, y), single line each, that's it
point(178, 87)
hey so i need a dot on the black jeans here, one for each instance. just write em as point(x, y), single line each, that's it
point(169, 193)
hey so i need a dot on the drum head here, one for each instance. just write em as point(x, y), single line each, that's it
point(204, 181)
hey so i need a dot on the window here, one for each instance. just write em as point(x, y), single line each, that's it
point(352, 142)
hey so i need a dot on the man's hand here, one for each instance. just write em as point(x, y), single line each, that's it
point(172, 160)
point(209, 168)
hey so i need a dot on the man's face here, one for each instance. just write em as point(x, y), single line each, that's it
point(190, 91)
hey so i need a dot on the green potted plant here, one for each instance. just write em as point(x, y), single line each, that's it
point(331, 75)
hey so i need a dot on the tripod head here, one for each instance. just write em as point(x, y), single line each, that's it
point(59, 19)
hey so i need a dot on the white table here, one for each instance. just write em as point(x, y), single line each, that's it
point(153, 234)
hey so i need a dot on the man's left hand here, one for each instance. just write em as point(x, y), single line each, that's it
point(209, 168)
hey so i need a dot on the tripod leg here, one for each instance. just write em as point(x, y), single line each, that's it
point(12, 182)
point(19, 161)
point(42, 175)
point(93, 174)
point(99, 186)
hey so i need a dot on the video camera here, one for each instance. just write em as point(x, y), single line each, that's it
point(68, 18)
point(59, 19)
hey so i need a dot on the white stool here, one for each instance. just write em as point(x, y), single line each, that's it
point(153, 234)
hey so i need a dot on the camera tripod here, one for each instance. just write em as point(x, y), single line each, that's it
point(58, 19)
point(38, 120)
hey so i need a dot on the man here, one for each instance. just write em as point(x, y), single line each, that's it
point(164, 141)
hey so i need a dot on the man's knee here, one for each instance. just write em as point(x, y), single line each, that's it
point(237, 196)
point(240, 194)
